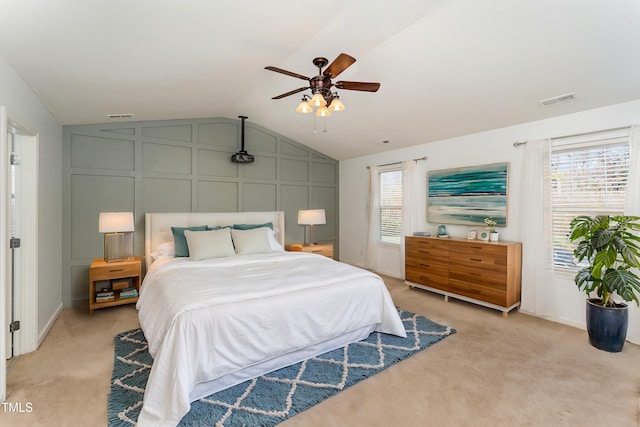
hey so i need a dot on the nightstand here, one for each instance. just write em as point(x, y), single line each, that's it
point(114, 283)
point(325, 249)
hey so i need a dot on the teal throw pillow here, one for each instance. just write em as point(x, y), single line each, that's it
point(252, 226)
point(217, 227)
point(182, 249)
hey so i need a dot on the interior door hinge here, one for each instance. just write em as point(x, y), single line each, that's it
point(15, 159)
point(14, 243)
point(14, 326)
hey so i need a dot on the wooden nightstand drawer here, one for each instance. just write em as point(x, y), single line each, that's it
point(324, 249)
point(115, 271)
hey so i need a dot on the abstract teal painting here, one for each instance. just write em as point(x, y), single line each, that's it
point(468, 195)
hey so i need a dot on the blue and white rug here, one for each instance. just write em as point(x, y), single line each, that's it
point(274, 397)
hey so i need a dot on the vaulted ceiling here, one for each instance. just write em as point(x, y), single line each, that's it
point(447, 68)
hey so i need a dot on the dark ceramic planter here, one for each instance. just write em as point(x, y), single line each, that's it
point(607, 326)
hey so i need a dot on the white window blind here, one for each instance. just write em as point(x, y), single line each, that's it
point(391, 206)
point(588, 177)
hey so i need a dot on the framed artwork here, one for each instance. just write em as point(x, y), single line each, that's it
point(468, 195)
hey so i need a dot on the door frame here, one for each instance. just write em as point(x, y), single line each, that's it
point(27, 296)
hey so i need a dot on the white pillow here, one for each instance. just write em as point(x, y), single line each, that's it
point(273, 243)
point(209, 244)
point(254, 241)
point(164, 249)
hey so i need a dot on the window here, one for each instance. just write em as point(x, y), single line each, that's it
point(588, 177)
point(391, 206)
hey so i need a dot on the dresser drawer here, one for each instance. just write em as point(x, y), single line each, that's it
point(427, 261)
point(484, 262)
point(476, 277)
point(423, 243)
point(482, 293)
point(479, 248)
point(120, 270)
point(435, 278)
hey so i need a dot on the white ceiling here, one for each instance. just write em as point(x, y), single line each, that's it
point(447, 68)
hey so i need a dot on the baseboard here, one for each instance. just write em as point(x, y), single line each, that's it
point(49, 324)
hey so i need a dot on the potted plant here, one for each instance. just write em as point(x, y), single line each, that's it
point(491, 223)
point(608, 251)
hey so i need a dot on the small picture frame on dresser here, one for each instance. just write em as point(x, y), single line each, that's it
point(472, 235)
point(484, 236)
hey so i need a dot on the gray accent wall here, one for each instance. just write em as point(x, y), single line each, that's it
point(183, 166)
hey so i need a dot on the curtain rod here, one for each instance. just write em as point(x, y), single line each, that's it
point(397, 163)
point(519, 143)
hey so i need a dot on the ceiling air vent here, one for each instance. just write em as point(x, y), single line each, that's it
point(558, 99)
point(120, 116)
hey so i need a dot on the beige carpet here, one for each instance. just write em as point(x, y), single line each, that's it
point(520, 371)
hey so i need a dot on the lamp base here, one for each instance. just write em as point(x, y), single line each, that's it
point(114, 247)
point(312, 231)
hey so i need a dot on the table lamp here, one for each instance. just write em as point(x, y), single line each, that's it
point(311, 218)
point(114, 225)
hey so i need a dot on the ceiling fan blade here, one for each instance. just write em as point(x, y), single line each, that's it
point(341, 63)
point(288, 73)
point(366, 87)
point(290, 93)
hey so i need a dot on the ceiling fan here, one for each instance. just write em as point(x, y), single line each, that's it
point(321, 84)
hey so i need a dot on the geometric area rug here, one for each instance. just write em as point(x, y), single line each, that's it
point(274, 397)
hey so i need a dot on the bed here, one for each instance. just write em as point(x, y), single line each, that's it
point(212, 323)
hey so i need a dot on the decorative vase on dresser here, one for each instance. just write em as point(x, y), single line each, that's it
point(484, 273)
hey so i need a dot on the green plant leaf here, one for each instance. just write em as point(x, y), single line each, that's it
point(623, 282)
point(611, 245)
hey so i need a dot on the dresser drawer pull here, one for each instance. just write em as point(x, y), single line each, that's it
point(475, 259)
point(317, 251)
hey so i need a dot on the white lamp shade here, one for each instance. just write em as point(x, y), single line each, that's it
point(312, 217)
point(115, 222)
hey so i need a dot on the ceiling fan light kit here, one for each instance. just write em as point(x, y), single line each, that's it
point(304, 107)
point(323, 99)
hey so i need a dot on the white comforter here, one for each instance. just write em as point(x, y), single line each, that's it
point(209, 320)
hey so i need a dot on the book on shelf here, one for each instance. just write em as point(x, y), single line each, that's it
point(104, 296)
point(129, 293)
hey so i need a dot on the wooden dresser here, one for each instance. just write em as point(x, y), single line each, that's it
point(485, 273)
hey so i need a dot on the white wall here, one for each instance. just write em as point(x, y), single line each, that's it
point(24, 104)
point(482, 148)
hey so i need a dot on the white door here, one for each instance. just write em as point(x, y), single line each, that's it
point(14, 265)
point(18, 239)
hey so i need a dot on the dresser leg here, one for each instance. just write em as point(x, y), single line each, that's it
point(446, 298)
point(505, 314)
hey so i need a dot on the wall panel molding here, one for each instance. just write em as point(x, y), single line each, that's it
point(184, 165)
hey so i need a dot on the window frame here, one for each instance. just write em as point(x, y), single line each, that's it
point(562, 248)
point(383, 206)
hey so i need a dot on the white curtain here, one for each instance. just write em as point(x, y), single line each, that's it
point(632, 207)
point(538, 288)
point(374, 218)
point(407, 204)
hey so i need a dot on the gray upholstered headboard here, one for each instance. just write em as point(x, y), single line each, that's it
point(157, 226)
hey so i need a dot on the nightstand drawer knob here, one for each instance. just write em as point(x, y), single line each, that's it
point(116, 270)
